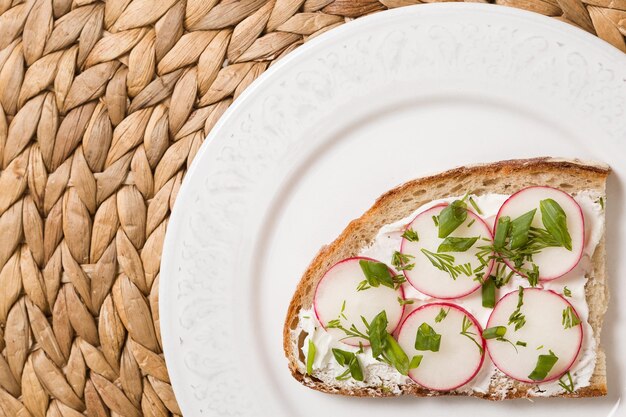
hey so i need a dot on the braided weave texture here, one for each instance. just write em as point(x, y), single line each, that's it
point(103, 106)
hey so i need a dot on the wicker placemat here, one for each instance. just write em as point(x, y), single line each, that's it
point(93, 153)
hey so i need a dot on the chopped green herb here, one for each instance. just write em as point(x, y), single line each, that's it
point(473, 203)
point(377, 333)
point(520, 228)
point(436, 221)
point(384, 346)
point(502, 231)
point(349, 360)
point(403, 302)
point(451, 217)
point(489, 293)
point(400, 261)
point(457, 244)
point(545, 363)
point(415, 361)
point(570, 319)
point(427, 338)
point(517, 241)
point(601, 201)
point(533, 275)
point(395, 356)
point(520, 343)
point(410, 235)
point(567, 292)
point(471, 223)
point(567, 385)
point(445, 262)
point(497, 333)
point(306, 317)
point(376, 274)
point(442, 315)
point(517, 317)
point(310, 357)
point(494, 332)
point(539, 347)
point(360, 347)
point(555, 221)
point(465, 325)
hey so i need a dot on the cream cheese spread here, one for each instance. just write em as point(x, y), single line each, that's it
point(388, 240)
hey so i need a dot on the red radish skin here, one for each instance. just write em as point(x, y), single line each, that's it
point(582, 239)
point(415, 284)
point(324, 322)
point(491, 323)
point(479, 330)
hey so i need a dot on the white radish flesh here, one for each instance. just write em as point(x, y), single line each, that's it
point(430, 280)
point(336, 297)
point(542, 332)
point(460, 356)
point(553, 262)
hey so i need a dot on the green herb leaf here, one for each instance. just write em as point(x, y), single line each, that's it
point(405, 302)
point(451, 217)
point(555, 221)
point(520, 343)
point(568, 384)
point(427, 338)
point(376, 273)
point(532, 275)
point(601, 201)
point(494, 332)
point(435, 220)
point(567, 292)
point(465, 325)
point(445, 262)
point(570, 319)
point(410, 235)
point(350, 360)
point(502, 231)
point(396, 356)
point(545, 363)
point(442, 315)
point(378, 333)
point(489, 293)
point(384, 347)
point(473, 203)
point(457, 244)
point(310, 357)
point(517, 317)
point(415, 361)
point(520, 228)
point(400, 261)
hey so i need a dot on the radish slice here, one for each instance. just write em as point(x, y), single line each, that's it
point(461, 348)
point(337, 297)
point(553, 262)
point(544, 331)
point(430, 280)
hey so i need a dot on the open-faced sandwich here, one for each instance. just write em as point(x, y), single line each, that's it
point(485, 281)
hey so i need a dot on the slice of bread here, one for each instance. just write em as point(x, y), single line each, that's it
point(505, 177)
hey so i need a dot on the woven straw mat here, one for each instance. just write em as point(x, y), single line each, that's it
point(92, 155)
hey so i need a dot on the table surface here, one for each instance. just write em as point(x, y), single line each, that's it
point(93, 155)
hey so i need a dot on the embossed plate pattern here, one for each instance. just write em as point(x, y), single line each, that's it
point(319, 136)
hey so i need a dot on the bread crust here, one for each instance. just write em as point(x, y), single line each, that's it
point(508, 176)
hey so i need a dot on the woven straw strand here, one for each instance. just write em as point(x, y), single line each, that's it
point(92, 155)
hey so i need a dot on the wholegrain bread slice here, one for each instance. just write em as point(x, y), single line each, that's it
point(505, 177)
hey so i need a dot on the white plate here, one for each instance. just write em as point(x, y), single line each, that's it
point(325, 131)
